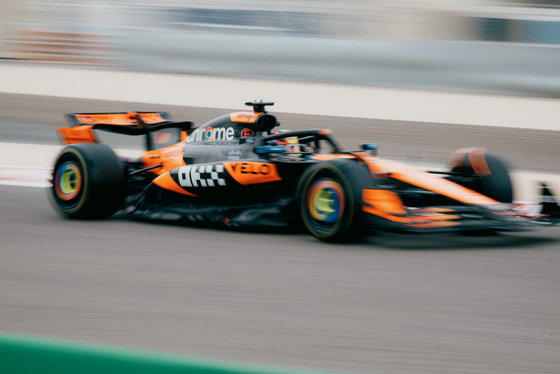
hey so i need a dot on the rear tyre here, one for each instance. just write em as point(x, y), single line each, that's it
point(88, 182)
point(330, 200)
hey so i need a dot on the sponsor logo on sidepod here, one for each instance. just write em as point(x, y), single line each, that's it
point(201, 175)
point(234, 155)
point(246, 132)
point(251, 168)
point(212, 134)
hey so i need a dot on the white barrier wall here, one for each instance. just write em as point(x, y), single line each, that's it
point(510, 69)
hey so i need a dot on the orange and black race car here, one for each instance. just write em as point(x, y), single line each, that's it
point(239, 170)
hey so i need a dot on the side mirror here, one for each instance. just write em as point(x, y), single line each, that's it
point(371, 147)
point(268, 149)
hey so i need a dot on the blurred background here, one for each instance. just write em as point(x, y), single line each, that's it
point(508, 46)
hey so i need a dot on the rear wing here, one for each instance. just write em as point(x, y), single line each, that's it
point(160, 131)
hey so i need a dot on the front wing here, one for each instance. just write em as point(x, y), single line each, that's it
point(387, 215)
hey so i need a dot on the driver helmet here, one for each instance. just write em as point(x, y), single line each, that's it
point(290, 143)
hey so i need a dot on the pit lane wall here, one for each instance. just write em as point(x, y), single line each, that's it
point(423, 44)
point(505, 69)
point(30, 355)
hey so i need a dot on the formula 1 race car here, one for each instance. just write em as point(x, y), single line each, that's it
point(236, 170)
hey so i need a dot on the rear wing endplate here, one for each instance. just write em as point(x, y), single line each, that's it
point(118, 118)
point(152, 124)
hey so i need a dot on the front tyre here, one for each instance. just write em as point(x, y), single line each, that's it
point(498, 184)
point(491, 173)
point(330, 200)
point(88, 182)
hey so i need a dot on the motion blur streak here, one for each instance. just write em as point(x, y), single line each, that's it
point(489, 20)
point(430, 44)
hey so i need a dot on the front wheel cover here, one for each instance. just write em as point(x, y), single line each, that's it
point(329, 206)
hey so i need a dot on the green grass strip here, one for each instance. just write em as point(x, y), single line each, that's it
point(31, 355)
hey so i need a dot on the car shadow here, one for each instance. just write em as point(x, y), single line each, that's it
point(384, 240)
point(459, 241)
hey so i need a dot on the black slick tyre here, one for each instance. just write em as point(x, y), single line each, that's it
point(88, 182)
point(330, 200)
point(497, 184)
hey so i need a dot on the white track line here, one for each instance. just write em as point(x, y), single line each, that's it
point(25, 176)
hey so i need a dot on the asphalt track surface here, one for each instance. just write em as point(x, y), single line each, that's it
point(393, 304)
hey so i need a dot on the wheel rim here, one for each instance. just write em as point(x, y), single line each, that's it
point(325, 202)
point(68, 181)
